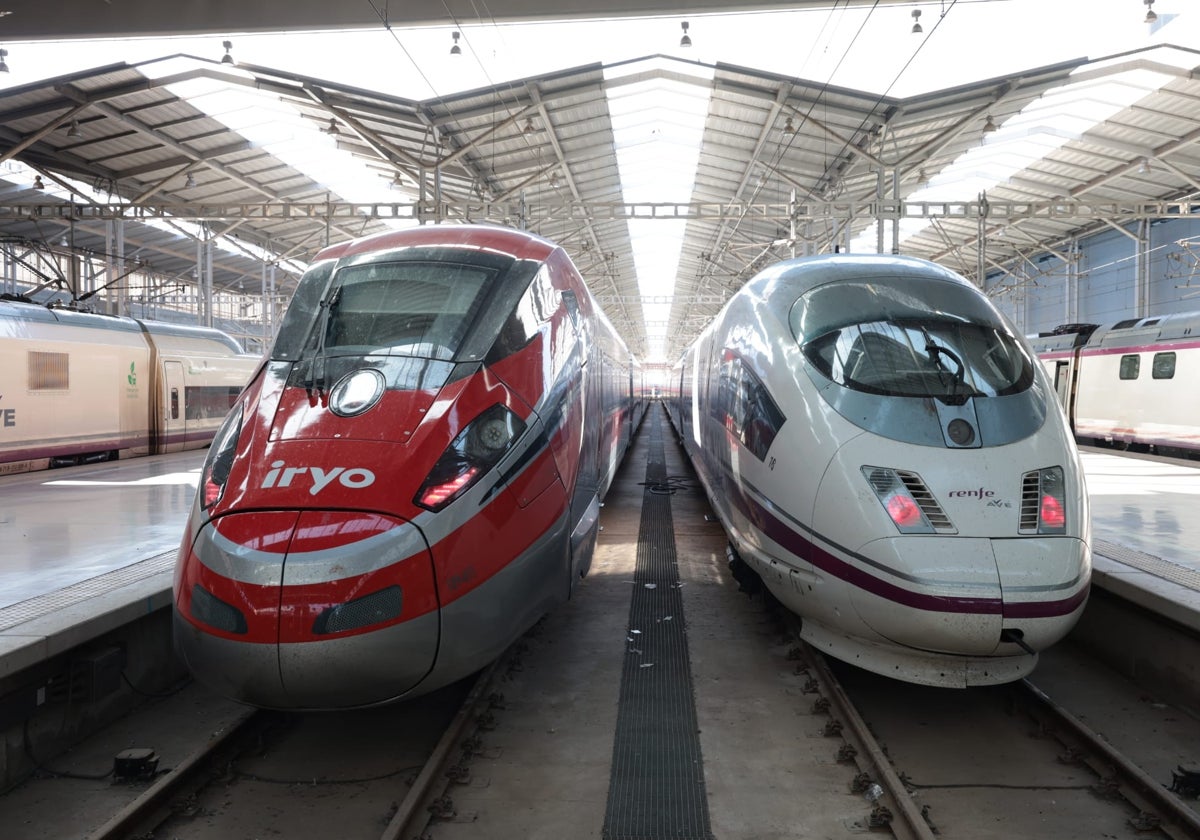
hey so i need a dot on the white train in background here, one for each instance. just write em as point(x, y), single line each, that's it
point(1133, 385)
point(77, 387)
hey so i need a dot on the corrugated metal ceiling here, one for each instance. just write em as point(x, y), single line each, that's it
point(784, 166)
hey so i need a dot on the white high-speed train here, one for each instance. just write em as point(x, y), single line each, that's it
point(77, 387)
point(886, 454)
point(1133, 384)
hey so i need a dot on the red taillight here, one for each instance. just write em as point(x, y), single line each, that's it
point(475, 450)
point(1044, 501)
point(220, 459)
point(1051, 513)
point(212, 492)
point(436, 495)
point(904, 511)
point(895, 491)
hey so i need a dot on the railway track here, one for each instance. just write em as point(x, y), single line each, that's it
point(386, 773)
point(226, 787)
point(1000, 762)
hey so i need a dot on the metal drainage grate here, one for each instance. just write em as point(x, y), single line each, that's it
point(657, 784)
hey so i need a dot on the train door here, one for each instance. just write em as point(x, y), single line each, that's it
point(172, 426)
point(1062, 382)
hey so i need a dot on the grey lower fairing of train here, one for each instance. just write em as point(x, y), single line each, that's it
point(79, 387)
point(1133, 384)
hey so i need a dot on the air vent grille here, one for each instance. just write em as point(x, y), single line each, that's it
point(1030, 501)
point(929, 505)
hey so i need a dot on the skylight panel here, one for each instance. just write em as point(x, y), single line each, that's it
point(658, 126)
point(1061, 115)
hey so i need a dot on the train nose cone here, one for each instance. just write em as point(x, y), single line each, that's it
point(309, 609)
point(933, 593)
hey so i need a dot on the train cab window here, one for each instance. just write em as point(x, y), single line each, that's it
point(1131, 365)
point(1163, 366)
point(410, 308)
point(923, 338)
point(302, 312)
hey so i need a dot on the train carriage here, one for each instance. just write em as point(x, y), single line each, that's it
point(415, 478)
point(1135, 383)
point(886, 456)
point(77, 387)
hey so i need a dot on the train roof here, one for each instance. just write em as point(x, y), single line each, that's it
point(794, 277)
point(1180, 326)
point(516, 243)
point(14, 312)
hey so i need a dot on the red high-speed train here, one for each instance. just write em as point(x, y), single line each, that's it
point(414, 477)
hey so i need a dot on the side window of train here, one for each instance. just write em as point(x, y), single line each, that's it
point(1130, 366)
point(1163, 366)
point(174, 403)
point(572, 303)
point(521, 325)
point(745, 407)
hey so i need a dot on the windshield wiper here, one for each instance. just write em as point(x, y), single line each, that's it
point(957, 376)
point(315, 381)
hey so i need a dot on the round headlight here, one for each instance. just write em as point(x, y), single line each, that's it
point(355, 392)
point(961, 432)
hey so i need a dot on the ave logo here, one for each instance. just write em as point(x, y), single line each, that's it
point(8, 416)
point(282, 475)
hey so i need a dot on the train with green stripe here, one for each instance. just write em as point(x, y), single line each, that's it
point(79, 387)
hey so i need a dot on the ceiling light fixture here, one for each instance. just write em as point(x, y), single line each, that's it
point(788, 126)
point(73, 131)
point(38, 184)
point(227, 58)
point(190, 182)
point(686, 40)
point(1144, 167)
point(456, 49)
point(916, 16)
point(1150, 15)
point(332, 128)
point(528, 128)
point(3, 63)
point(989, 125)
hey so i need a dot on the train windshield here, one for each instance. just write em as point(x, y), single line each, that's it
point(404, 308)
point(916, 339)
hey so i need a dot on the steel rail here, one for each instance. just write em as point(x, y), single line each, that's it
point(1174, 817)
point(154, 802)
point(419, 804)
point(912, 824)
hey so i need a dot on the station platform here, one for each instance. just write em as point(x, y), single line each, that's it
point(86, 549)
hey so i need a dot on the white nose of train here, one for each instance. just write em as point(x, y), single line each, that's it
point(996, 569)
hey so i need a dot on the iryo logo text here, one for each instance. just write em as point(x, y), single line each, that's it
point(354, 478)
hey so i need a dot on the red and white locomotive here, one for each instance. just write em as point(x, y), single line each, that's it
point(413, 479)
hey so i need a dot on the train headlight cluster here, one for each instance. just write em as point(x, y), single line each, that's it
point(220, 458)
point(475, 450)
point(897, 500)
point(1043, 502)
point(908, 501)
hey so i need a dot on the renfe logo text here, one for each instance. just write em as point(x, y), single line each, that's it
point(354, 478)
point(979, 493)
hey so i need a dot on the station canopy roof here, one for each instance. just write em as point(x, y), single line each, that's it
point(667, 203)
